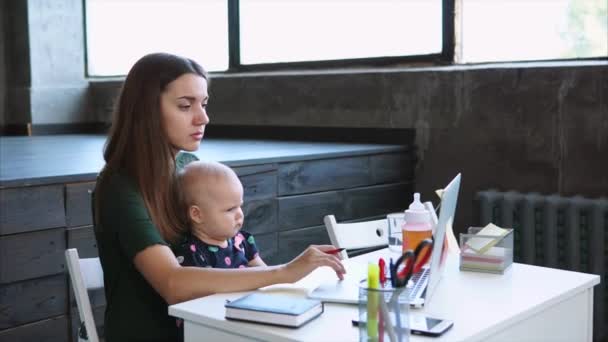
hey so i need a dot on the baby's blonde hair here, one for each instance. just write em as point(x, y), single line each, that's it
point(198, 178)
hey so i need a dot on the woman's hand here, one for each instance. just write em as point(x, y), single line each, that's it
point(314, 256)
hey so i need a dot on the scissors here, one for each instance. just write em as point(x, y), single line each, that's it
point(412, 262)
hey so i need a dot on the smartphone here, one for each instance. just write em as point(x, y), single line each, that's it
point(424, 325)
point(429, 326)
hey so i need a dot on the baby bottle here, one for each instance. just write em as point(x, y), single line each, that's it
point(417, 226)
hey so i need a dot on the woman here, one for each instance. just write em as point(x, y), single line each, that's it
point(160, 111)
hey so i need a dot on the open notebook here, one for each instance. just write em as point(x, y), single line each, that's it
point(334, 291)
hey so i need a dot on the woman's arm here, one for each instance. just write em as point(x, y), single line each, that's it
point(177, 284)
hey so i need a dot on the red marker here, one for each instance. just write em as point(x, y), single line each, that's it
point(382, 265)
point(334, 251)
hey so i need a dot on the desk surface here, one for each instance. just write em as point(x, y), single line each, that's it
point(57, 158)
point(472, 300)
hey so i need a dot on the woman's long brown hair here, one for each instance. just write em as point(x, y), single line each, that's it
point(137, 145)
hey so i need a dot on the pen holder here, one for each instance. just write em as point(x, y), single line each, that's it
point(382, 317)
point(491, 254)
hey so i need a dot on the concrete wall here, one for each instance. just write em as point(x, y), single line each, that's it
point(534, 127)
point(58, 84)
point(46, 82)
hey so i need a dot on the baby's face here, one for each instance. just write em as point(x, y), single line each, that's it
point(221, 210)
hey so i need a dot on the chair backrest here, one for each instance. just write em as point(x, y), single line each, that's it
point(356, 234)
point(85, 274)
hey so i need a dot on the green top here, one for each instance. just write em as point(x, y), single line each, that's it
point(134, 310)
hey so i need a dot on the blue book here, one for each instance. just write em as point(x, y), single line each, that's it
point(274, 309)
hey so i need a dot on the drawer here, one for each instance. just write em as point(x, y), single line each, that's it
point(26, 209)
point(78, 204)
point(83, 239)
point(32, 255)
point(323, 175)
point(51, 329)
point(261, 216)
point(259, 185)
point(308, 210)
point(293, 242)
point(392, 167)
point(33, 300)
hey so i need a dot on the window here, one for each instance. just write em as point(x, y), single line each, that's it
point(519, 30)
point(274, 31)
point(254, 34)
point(119, 32)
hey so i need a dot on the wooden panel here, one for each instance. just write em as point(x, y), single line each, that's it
point(308, 210)
point(376, 200)
point(323, 175)
point(78, 204)
point(268, 247)
point(98, 316)
point(83, 239)
point(33, 300)
point(261, 216)
point(32, 255)
point(259, 185)
point(254, 169)
point(392, 167)
point(31, 208)
point(49, 330)
point(292, 243)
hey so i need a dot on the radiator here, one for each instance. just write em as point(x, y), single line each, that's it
point(560, 232)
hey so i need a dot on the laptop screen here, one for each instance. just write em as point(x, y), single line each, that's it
point(446, 220)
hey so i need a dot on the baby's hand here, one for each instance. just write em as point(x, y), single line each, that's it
point(256, 261)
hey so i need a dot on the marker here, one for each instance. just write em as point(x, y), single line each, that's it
point(334, 251)
point(382, 267)
point(373, 301)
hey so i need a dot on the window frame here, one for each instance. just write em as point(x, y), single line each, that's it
point(447, 56)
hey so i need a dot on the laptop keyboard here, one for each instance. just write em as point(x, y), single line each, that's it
point(419, 280)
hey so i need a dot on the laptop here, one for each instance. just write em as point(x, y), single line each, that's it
point(423, 284)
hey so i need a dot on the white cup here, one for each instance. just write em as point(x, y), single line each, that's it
point(395, 234)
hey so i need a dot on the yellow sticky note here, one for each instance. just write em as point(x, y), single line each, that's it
point(439, 193)
point(491, 233)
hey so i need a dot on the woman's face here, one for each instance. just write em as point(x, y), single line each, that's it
point(183, 107)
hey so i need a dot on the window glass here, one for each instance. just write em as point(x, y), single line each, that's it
point(517, 30)
point(274, 31)
point(119, 32)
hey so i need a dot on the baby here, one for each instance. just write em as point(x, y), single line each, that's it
point(211, 197)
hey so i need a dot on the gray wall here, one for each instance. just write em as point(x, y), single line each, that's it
point(539, 127)
point(44, 46)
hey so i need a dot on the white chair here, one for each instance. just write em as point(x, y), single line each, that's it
point(85, 275)
point(356, 234)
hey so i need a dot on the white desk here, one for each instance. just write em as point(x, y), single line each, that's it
point(527, 303)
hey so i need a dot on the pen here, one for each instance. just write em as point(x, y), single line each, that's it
point(334, 251)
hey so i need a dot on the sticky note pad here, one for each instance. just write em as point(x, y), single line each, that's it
point(492, 234)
